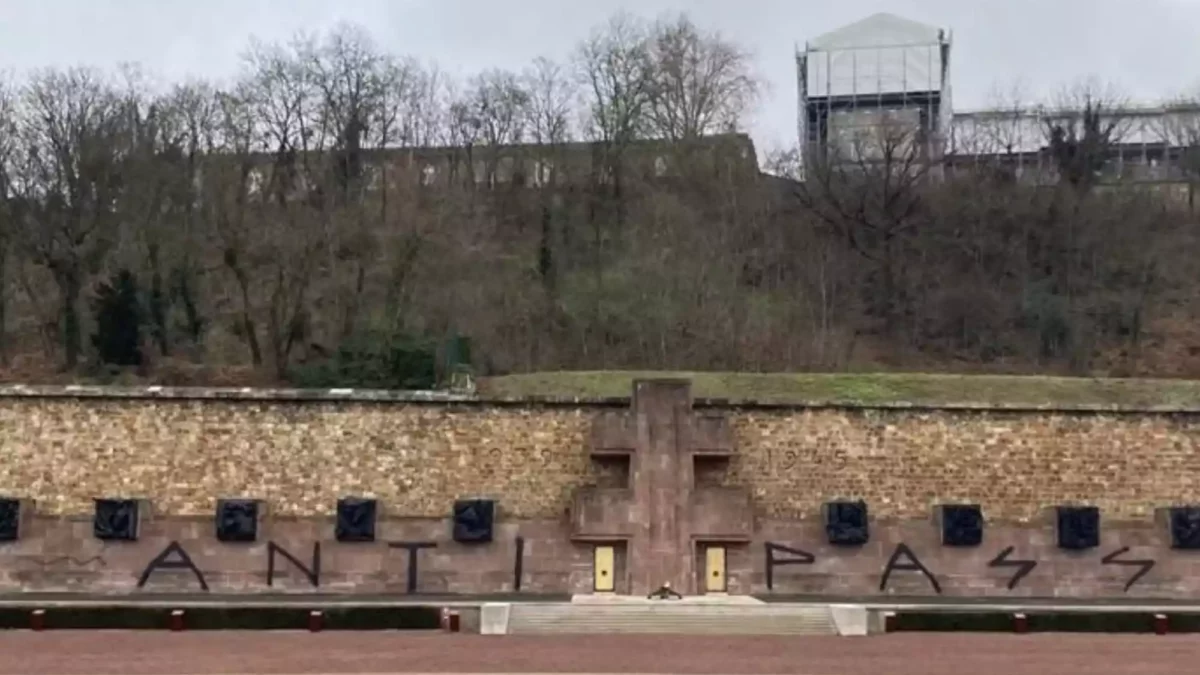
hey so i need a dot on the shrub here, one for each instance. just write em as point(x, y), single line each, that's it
point(373, 361)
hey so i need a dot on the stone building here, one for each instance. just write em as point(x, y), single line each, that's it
point(521, 166)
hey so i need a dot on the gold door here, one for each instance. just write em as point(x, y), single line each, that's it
point(603, 569)
point(714, 569)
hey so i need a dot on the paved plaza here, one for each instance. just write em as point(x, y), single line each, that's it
point(360, 653)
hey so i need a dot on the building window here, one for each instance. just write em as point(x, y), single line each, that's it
point(428, 174)
point(660, 166)
point(254, 182)
point(543, 172)
point(504, 170)
point(300, 183)
point(373, 176)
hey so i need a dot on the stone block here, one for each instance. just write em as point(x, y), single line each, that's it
point(493, 618)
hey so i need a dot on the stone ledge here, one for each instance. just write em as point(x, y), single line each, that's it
point(452, 398)
point(289, 395)
point(965, 406)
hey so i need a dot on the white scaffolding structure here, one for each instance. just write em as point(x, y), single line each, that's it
point(860, 81)
point(883, 68)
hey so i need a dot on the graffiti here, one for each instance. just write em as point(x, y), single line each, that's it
point(518, 564)
point(1023, 567)
point(174, 558)
point(46, 563)
point(796, 557)
point(1011, 569)
point(413, 548)
point(163, 561)
point(313, 572)
point(1144, 565)
point(904, 560)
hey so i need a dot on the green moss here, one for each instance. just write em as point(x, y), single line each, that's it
point(868, 389)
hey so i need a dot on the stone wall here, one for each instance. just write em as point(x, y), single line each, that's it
point(570, 475)
point(183, 454)
point(1014, 464)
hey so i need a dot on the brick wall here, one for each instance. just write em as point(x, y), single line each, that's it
point(1012, 463)
point(752, 477)
point(417, 456)
point(299, 457)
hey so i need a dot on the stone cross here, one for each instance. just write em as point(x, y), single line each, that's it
point(662, 515)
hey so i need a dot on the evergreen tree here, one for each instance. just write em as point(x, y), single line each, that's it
point(118, 314)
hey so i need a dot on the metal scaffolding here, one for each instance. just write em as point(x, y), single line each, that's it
point(881, 70)
point(856, 82)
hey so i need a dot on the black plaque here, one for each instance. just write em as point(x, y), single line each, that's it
point(846, 523)
point(116, 520)
point(237, 520)
point(473, 520)
point(962, 525)
point(1078, 527)
point(356, 520)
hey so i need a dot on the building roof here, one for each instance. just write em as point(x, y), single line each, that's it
point(878, 30)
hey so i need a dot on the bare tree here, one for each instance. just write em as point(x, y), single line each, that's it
point(703, 84)
point(71, 131)
point(195, 113)
point(492, 114)
point(1005, 139)
point(1179, 130)
point(8, 154)
point(616, 68)
point(551, 93)
point(293, 219)
point(232, 179)
point(616, 72)
point(412, 119)
point(155, 189)
point(869, 188)
point(416, 94)
point(357, 87)
point(350, 77)
point(500, 103)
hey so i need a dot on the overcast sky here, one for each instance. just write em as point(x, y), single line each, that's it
point(1150, 48)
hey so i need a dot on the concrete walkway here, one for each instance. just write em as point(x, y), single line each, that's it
point(241, 653)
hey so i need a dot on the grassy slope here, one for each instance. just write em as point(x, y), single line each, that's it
point(916, 389)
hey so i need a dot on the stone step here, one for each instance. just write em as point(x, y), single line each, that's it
point(707, 599)
point(696, 619)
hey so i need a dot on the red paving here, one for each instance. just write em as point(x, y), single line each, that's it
point(272, 653)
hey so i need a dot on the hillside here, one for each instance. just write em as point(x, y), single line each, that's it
point(192, 237)
point(868, 389)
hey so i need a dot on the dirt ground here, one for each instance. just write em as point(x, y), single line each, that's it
point(280, 653)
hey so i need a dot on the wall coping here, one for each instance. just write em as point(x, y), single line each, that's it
point(250, 394)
